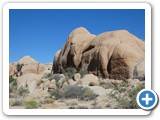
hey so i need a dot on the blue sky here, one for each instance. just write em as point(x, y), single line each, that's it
point(40, 33)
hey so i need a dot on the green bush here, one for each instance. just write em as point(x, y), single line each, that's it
point(70, 72)
point(22, 91)
point(48, 101)
point(13, 86)
point(48, 75)
point(31, 104)
point(19, 67)
point(54, 76)
point(83, 72)
point(57, 93)
point(11, 79)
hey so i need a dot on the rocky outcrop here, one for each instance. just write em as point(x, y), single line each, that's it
point(111, 55)
point(71, 54)
point(29, 81)
point(27, 65)
point(77, 77)
point(31, 66)
point(28, 74)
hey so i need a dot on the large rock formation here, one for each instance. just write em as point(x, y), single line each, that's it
point(112, 54)
point(27, 65)
point(31, 66)
point(28, 73)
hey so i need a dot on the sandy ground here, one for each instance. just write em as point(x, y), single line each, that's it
point(63, 104)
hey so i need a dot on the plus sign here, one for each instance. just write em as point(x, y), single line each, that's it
point(147, 99)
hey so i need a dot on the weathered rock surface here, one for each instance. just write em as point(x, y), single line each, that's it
point(26, 80)
point(29, 65)
point(139, 71)
point(72, 82)
point(77, 77)
point(133, 82)
point(52, 86)
point(112, 54)
point(98, 90)
point(11, 70)
point(90, 79)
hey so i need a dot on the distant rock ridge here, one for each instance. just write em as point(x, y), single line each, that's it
point(28, 72)
point(113, 55)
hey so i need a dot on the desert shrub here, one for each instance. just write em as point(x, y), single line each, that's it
point(62, 81)
point(18, 102)
point(12, 82)
point(73, 91)
point(70, 71)
point(133, 94)
point(106, 85)
point(57, 93)
point(19, 67)
point(88, 94)
point(13, 86)
point(123, 101)
point(22, 91)
point(54, 76)
point(31, 104)
point(11, 79)
point(120, 86)
point(128, 100)
point(83, 72)
point(48, 101)
point(48, 75)
point(79, 92)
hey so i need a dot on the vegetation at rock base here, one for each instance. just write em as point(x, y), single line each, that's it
point(53, 76)
point(48, 75)
point(22, 91)
point(74, 91)
point(48, 101)
point(88, 94)
point(11, 79)
point(70, 71)
point(106, 85)
point(83, 72)
point(128, 100)
point(31, 104)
